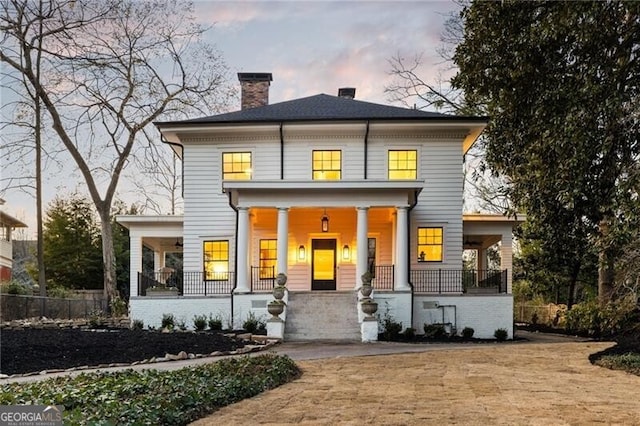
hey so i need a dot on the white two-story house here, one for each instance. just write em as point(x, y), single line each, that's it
point(323, 189)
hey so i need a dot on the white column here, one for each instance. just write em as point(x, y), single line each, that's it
point(157, 262)
point(482, 259)
point(506, 256)
point(402, 250)
point(135, 259)
point(242, 266)
point(283, 240)
point(362, 244)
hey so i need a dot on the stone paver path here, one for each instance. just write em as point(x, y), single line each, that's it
point(510, 384)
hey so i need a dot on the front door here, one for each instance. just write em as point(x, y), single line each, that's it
point(323, 264)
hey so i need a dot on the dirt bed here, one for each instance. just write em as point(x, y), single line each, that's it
point(30, 350)
point(509, 384)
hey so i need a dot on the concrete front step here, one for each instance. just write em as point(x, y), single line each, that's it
point(326, 315)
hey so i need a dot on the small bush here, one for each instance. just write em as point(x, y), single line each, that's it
point(14, 287)
point(254, 324)
point(137, 324)
point(434, 331)
point(181, 324)
point(152, 397)
point(96, 318)
point(168, 321)
point(629, 362)
point(467, 332)
point(118, 307)
point(589, 318)
point(59, 292)
point(409, 333)
point(215, 323)
point(501, 334)
point(199, 322)
point(391, 329)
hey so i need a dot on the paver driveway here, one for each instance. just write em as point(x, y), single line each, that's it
point(510, 384)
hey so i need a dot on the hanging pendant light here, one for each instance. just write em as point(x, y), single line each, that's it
point(325, 221)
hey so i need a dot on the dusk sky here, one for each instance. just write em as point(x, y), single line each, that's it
point(310, 47)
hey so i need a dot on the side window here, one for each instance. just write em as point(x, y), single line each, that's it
point(371, 256)
point(216, 260)
point(236, 166)
point(268, 254)
point(327, 165)
point(403, 164)
point(430, 244)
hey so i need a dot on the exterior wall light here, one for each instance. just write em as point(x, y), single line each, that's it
point(301, 253)
point(346, 253)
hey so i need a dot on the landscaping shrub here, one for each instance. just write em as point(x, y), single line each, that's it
point(199, 322)
point(154, 397)
point(14, 287)
point(391, 329)
point(501, 334)
point(181, 324)
point(118, 307)
point(434, 331)
point(137, 324)
point(467, 332)
point(629, 362)
point(591, 319)
point(254, 324)
point(409, 333)
point(215, 323)
point(168, 321)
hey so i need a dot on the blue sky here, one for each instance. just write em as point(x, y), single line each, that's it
point(310, 47)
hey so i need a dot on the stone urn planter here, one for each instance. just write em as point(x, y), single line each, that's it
point(281, 279)
point(275, 308)
point(278, 292)
point(369, 307)
point(366, 290)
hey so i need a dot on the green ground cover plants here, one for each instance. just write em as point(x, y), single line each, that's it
point(154, 397)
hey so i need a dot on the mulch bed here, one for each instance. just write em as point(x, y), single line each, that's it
point(31, 350)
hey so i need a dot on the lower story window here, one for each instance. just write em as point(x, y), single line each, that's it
point(430, 244)
point(216, 260)
point(267, 258)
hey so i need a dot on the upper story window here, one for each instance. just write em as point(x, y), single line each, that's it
point(216, 260)
point(236, 165)
point(403, 164)
point(327, 165)
point(430, 244)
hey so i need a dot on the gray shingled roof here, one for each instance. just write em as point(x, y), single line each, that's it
point(321, 108)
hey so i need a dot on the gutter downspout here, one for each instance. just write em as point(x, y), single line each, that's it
point(281, 152)
point(235, 259)
point(163, 140)
point(366, 150)
point(411, 207)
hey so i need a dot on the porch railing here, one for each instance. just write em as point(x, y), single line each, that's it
point(185, 283)
point(457, 280)
point(383, 277)
point(263, 278)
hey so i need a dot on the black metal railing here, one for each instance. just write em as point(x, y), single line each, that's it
point(185, 283)
point(383, 277)
point(458, 280)
point(263, 278)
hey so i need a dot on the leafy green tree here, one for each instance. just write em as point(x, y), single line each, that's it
point(73, 255)
point(560, 81)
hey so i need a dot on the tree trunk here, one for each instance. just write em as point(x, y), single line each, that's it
point(605, 277)
point(108, 256)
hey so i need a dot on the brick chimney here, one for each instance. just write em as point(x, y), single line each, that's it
point(347, 92)
point(255, 88)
